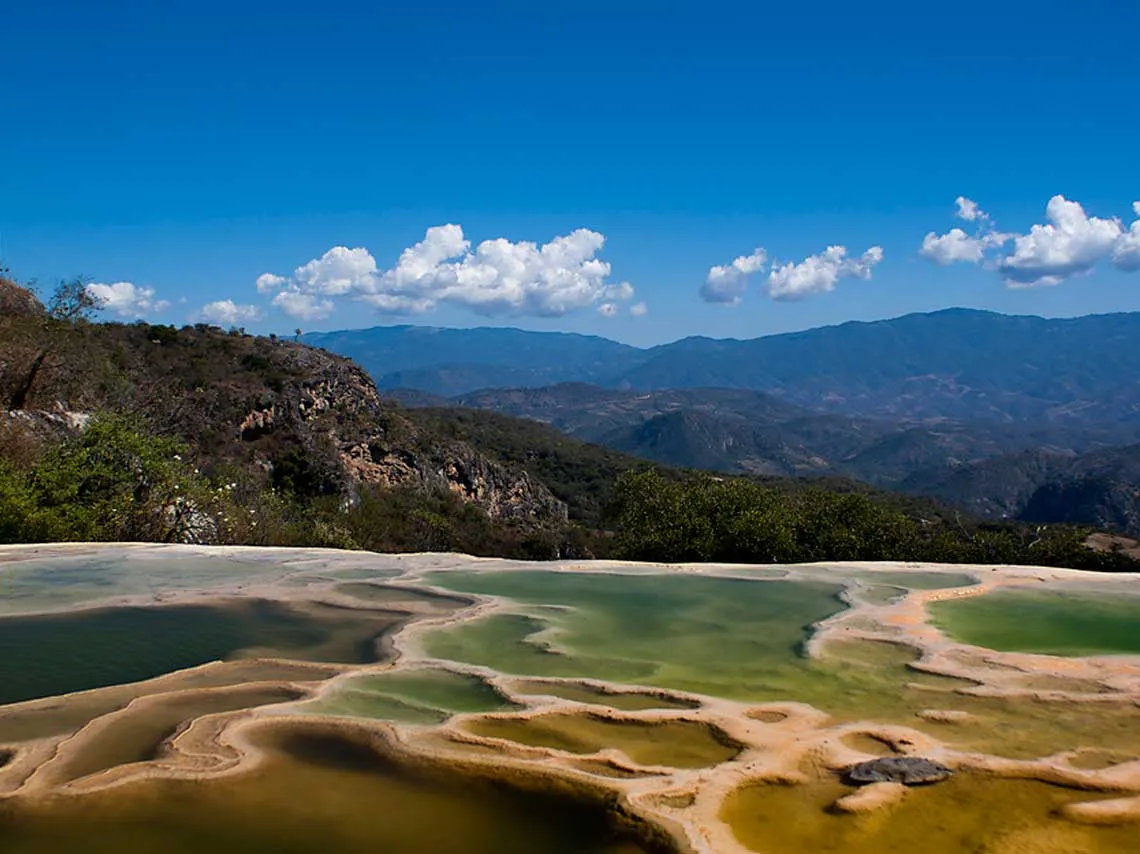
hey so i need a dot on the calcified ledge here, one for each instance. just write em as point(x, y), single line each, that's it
point(779, 742)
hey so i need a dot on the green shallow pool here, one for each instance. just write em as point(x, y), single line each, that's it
point(43, 584)
point(721, 636)
point(317, 795)
point(415, 696)
point(54, 654)
point(741, 640)
point(1046, 621)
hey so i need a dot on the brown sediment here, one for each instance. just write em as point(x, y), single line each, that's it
point(1112, 811)
point(141, 731)
point(669, 742)
point(787, 743)
point(871, 798)
point(970, 812)
point(767, 716)
point(1094, 760)
point(353, 742)
point(869, 744)
point(64, 714)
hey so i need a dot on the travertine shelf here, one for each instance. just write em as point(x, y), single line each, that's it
point(696, 693)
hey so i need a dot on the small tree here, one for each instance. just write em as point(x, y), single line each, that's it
point(72, 302)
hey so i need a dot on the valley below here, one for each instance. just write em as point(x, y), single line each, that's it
point(304, 700)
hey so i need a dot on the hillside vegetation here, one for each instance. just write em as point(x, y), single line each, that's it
point(141, 432)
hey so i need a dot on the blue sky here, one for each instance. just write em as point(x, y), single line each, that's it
point(187, 149)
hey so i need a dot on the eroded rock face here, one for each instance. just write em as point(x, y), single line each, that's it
point(18, 301)
point(908, 770)
point(263, 405)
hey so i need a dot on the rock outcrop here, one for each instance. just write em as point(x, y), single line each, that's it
point(261, 404)
point(907, 770)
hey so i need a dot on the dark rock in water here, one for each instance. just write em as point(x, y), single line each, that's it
point(908, 770)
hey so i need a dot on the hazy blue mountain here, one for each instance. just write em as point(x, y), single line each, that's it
point(959, 364)
point(455, 361)
point(590, 412)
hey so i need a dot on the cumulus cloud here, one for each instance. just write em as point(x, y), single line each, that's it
point(968, 210)
point(956, 246)
point(267, 283)
point(820, 273)
point(496, 277)
point(338, 272)
point(126, 299)
point(1069, 243)
point(1126, 253)
point(302, 306)
point(726, 283)
point(639, 309)
point(953, 246)
point(228, 313)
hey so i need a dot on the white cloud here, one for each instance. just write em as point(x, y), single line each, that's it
point(228, 313)
point(1069, 244)
point(126, 299)
point(819, 273)
point(396, 304)
point(954, 245)
point(267, 283)
point(1126, 253)
point(727, 283)
point(498, 277)
point(968, 210)
point(303, 306)
point(608, 309)
point(639, 309)
point(338, 272)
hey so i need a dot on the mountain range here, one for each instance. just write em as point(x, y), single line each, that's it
point(132, 432)
point(1008, 417)
point(958, 363)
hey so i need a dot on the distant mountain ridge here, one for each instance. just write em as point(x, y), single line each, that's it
point(1049, 473)
point(992, 413)
point(455, 361)
point(1100, 488)
point(960, 364)
point(737, 431)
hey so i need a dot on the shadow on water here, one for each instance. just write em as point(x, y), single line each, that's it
point(141, 732)
point(322, 793)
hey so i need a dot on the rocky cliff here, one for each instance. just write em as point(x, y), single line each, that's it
point(282, 410)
